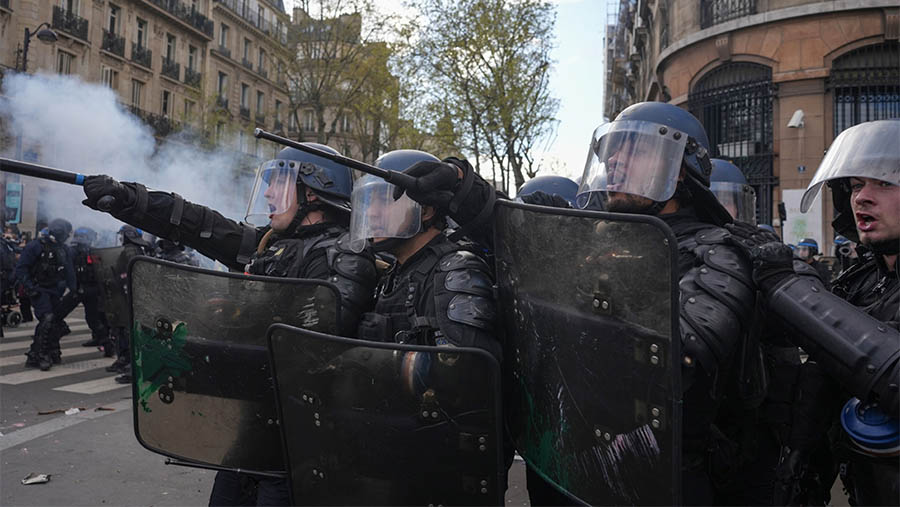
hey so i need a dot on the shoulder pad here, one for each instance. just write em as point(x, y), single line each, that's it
point(354, 275)
point(461, 259)
point(712, 236)
point(730, 260)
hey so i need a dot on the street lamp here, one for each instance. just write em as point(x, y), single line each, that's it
point(44, 34)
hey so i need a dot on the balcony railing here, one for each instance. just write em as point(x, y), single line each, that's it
point(713, 12)
point(113, 43)
point(5, 4)
point(261, 119)
point(70, 23)
point(162, 126)
point(171, 69)
point(192, 77)
point(187, 14)
point(245, 112)
point(262, 72)
point(141, 55)
point(242, 9)
point(247, 63)
point(221, 102)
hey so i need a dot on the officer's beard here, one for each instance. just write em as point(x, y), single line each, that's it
point(885, 246)
point(387, 244)
point(620, 202)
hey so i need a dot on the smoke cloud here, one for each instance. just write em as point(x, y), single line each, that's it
point(81, 127)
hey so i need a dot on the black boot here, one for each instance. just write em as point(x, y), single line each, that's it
point(92, 343)
point(125, 377)
point(118, 366)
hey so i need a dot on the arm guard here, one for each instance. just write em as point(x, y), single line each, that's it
point(717, 301)
point(473, 205)
point(355, 277)
point(464, 301)
point(861, 352)
point(169, 216)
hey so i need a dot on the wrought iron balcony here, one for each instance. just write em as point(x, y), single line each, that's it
point(245, 112)
point(192, 77)
point(247, 63)
point(171, 69)
point(242, 9)
point(70, 23)
point(113, 43)
point(141, 55)
point(161, 125)
point(713, 12)
point(187, 14)
point(261, 119)
point(221, 102)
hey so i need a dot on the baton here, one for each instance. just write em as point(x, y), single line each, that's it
point(43, 172)
point(396, 177)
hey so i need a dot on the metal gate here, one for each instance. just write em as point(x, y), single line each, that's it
point(865, 85)
point(734, 103)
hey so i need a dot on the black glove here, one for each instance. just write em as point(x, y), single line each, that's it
point(772, 262)
point(97, 187)
point(542, 198)
point(435, 184)
point(750, 235)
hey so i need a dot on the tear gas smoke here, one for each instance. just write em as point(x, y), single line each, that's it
point(81, 127)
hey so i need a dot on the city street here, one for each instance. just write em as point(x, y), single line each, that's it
point(92, 457)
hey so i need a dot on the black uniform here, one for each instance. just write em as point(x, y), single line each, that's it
point(89, 295)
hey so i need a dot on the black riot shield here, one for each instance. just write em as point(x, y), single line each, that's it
point(112, 285)
point(202, 386)
point(591, 370)
point(368, 423)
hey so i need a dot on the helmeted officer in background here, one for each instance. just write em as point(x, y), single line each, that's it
point(852, 331)
point(548, 185)
point(45, 270)
point(168, 250)
point(132, 239)
point(438, 291)
point(88, 292)
point(298, 213)
point(654, 159)
point(807, 250)
point(728, 183)
point(845, 253)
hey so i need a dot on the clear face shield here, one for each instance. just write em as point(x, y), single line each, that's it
point(377, 216)
point(867, 150)
point(737, 198)
point(631, 157)
point(274, 191)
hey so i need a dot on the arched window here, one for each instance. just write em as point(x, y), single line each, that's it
point(734, 103)
point(865, 85)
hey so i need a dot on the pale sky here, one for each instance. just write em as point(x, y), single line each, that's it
point(577, 79)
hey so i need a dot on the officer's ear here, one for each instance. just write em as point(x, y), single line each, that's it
point(428, 213)
point(310, 195)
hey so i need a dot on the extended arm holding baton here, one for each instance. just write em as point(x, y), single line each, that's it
point(49, 173)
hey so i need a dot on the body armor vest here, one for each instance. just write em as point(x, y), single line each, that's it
point(49, 270)
point(84, 269)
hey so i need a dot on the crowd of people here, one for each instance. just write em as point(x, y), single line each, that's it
point(414, 264)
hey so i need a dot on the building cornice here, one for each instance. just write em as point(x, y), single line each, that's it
point(769, 17)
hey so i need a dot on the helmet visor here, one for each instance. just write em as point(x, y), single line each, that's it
point(632, 157)
point(737, 198)
point(376, 215)
point(867, 150)
point(274, 191)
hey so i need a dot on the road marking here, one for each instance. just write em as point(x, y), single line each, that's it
point(30, 331)
point(24, 344)
point(66, 354)
point(58, 370)
point(93, 386)
point(61, 422)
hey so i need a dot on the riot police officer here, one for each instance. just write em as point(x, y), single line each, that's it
point(728, 183)
point(134, 244)
point(168, 250)
point(549, 184)
point(45, 270)
point(88, 292)
point(852, 331)
point(654, 159)
point(807, 250)
point(297, 220)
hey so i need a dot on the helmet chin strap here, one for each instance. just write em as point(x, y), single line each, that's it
point(304, 207)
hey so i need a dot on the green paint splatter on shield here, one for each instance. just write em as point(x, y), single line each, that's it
point(157, 358)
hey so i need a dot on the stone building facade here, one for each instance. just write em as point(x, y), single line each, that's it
point(773, 82)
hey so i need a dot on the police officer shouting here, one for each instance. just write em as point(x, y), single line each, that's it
point(852, 331)
point(298, 213)
point(45, 270)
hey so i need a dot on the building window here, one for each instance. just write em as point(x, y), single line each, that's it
point(113, 19)
point(192, 58)
point(188, 110)
point(245, 95)
point(223, 35)
point(137, 92)
point(246, 50)
point(260, 103)
point(277, 110)
point(222, 86)
point(309, 120)
point(141, 35)
point(64, 62)
point(292, 122)
point(166, 102)
point(261, 60)
point(865, 85)
point(170, 47)
point(72, 6)
point(109, 77)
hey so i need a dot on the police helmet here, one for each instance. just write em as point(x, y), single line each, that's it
point(728, 183)
point(131, 234)
point(811, 244)
point(84, 236)
point(550, 184)
point(60, 229)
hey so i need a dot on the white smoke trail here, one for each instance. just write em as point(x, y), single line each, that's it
point(79, 126)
